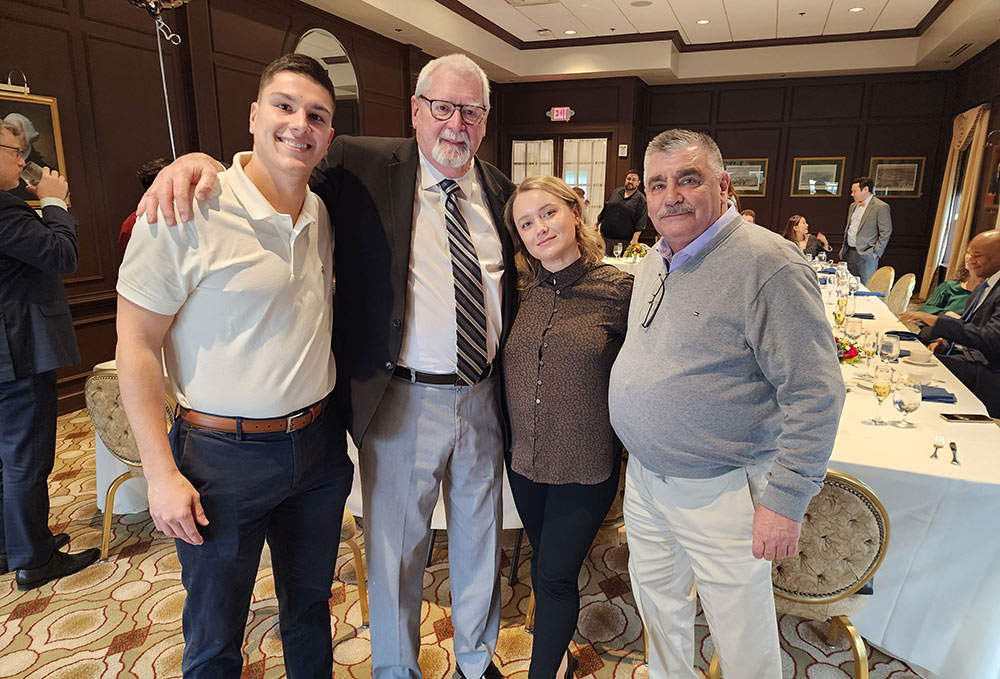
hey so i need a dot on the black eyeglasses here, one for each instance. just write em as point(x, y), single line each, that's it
point(12, 148)
point(654, 300)
point(444, 110)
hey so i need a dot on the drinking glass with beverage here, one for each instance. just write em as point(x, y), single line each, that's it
point(881, 387)
point(906, 397)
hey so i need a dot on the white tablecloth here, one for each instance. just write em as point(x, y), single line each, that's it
point(937, 595)
point(624, 263)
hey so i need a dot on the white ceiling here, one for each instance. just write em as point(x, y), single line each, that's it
point(729, 20)
point(438, 30)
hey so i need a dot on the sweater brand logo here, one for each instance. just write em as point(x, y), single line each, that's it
point(697, 313)
point(560, 114)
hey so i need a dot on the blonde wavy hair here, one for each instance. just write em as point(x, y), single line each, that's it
point(588, 239)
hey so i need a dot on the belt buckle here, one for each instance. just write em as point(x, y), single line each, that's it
point(288, 423)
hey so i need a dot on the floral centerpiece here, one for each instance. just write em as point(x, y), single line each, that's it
point(636, 251)
point(847, 350)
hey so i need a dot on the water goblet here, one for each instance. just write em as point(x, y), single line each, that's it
point(853, 329)
point(881, 387)
point(618, 249)
point(888, 348)
point(851, 306)
point(906, 397)
point(869, 347)
point(821, 256)
point(853, 284)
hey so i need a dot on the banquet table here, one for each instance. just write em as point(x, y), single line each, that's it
point(936, 603)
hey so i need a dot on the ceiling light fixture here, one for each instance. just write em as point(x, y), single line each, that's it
point(543, 31)
point(856, 9)
point(569, 32)
point(702, 22)
point(641, 3)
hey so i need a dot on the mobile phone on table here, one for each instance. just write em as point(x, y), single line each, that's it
point(965, 417)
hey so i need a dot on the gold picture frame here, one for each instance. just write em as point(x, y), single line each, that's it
point(818, 177)
point(46, 149)
point(748, 176)
point(897, 176)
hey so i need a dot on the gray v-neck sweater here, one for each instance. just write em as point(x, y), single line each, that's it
point(738, 366)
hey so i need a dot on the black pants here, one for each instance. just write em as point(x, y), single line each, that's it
point(27, 453)
point(289, 488)
point(561, 522)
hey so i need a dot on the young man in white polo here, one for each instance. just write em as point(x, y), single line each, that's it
point(239, 300)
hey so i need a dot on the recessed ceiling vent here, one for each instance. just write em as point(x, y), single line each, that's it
point(960, 50)
point(531, 3)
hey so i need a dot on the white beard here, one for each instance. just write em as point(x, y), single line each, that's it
point(449, 154)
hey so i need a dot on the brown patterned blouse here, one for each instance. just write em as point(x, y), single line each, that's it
point(557, 364)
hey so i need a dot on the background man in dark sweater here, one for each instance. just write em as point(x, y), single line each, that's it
point(624, 215)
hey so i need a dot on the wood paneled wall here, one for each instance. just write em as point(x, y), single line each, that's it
point(854, 117)
point(99, 58)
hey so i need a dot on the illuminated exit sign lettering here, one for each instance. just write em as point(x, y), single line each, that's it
point(560, 114)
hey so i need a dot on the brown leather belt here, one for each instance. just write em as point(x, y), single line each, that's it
point(293, 422)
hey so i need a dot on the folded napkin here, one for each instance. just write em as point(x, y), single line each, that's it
point(903, 335)
point(936, 394)
point(828, 269)
point(865, 315)
point(903, 353)
point(868, 293)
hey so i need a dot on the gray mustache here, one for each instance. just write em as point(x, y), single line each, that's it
point(682, 209)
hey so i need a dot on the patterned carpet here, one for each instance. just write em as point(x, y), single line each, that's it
point(122, 618)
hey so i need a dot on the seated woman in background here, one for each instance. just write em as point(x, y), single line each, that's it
point(563, 460)
point(797, 231)
point(952, 295)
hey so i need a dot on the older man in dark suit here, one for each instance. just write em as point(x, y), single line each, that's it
point(36, 337)
point(869, 225)
point(426, 283)
point(969, 345)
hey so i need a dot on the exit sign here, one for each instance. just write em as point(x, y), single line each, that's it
point(560, 114)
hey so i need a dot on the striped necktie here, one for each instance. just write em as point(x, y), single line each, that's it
point(470, 307)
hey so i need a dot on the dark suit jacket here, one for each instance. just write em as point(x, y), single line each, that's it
point(36, 328)
point(368, 184)
point(874, 230)
point(980, 356)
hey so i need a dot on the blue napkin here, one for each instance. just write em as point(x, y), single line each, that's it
point(828, 269)
point(936, 394)
point(903, 335)
point(868, 293)
point(903, 353)
point(864, 314)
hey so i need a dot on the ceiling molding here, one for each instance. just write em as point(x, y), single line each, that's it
point(479, 20)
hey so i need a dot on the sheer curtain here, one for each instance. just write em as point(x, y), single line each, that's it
point(968, 138)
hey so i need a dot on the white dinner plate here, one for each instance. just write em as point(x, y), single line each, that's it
point(925, 360)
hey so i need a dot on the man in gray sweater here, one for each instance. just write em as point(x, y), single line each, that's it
point(727, 394)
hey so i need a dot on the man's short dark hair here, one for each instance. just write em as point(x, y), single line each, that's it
point(749, 213)
point(865, 182)
point(301, 64)
point(147, 171)
point(635, 172)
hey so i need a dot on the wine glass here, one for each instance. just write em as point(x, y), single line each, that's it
point(888, 348)
point(869, 347)
point(906, 397)
point(881, 386)
point(618, 249)
point(821, 256)
point(853, 284)
point(851, 306)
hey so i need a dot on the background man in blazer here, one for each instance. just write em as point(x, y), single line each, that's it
point(36, 337)
point(415, 349)
point(869, 226)
point(969, 345)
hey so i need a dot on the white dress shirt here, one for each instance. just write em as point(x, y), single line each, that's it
point(852, 229)
point(430, 332)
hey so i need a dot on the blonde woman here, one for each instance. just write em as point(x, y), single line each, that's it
point(563, 457)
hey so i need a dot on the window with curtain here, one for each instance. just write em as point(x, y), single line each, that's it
point(531, 157)
point(585, 166)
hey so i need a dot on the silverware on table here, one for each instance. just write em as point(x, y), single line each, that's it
point(954, 453)
point(938, 443)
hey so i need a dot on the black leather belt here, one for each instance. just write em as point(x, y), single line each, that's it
point(450, 379)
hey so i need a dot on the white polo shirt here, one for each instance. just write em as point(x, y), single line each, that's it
point(252, 298)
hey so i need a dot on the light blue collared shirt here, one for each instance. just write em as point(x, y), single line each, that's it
point(676, 260)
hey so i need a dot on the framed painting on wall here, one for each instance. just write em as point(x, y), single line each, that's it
point(748, 175)
point(37, 118)
point(817, 177)
point(898, 177)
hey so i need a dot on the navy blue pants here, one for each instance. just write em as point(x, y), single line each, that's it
point(561, 521)
point(27, 452)
point(289, 488)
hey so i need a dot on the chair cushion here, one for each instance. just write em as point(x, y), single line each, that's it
point(348, 528)
point(821, 612)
